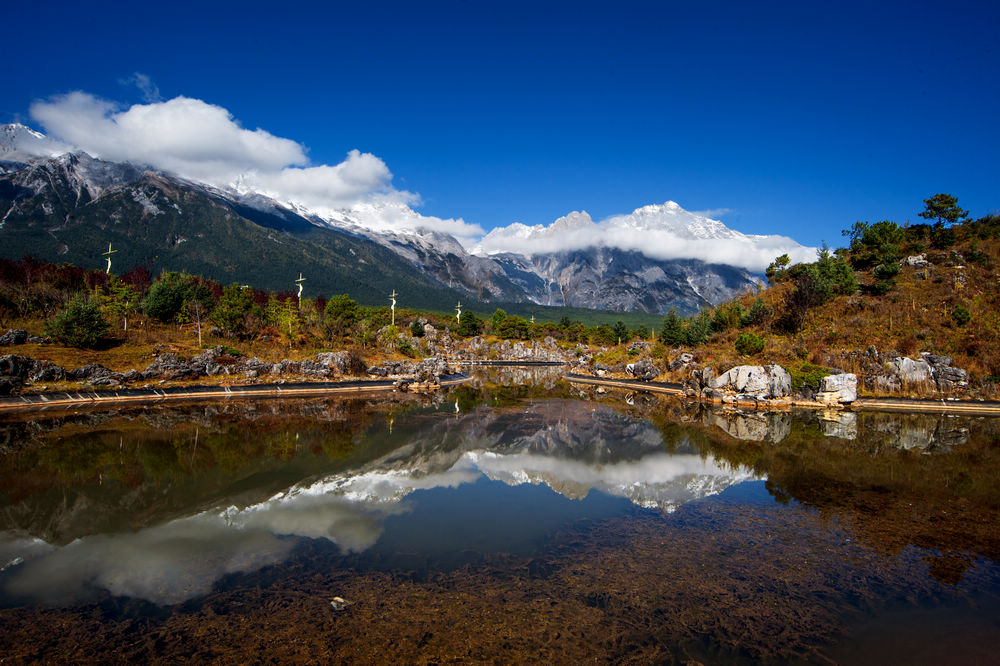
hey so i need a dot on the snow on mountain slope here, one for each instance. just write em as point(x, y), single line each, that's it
point(19, 143)
point(664, 232)
point(654, 258)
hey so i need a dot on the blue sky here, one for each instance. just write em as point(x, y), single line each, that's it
point(794, 118)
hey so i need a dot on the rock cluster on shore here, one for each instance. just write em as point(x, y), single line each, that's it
point(762, 385)
point(17, 371)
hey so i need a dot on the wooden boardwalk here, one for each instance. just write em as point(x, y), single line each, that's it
point(178, 393)
point(915, 405)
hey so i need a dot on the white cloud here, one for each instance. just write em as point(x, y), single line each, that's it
point(150, 93)
point(714, 213)
point(664, 231)
point(183, 135)
point(203, 142)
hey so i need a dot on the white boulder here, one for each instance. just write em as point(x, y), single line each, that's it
point(842, 388)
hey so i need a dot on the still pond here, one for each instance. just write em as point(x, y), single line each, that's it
point(516, 520)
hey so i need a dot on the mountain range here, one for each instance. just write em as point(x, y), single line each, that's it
point(61, 204)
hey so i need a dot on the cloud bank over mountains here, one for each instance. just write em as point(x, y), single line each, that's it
point(204, 142)
point(664, 232)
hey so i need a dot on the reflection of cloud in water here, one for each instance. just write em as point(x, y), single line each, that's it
point(165, 564)
point(182, 559)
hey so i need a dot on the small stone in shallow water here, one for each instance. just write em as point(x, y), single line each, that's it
point(340, 603)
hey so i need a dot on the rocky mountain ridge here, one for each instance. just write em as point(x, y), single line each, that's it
point(71, 204)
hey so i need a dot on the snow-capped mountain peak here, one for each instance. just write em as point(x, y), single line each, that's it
point(20, 143)
point(670, 217)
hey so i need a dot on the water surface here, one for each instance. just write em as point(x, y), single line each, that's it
point(526, 522)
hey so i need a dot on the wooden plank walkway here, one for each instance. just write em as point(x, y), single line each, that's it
point(914, 405)
point(631, 384)
point(221, 392)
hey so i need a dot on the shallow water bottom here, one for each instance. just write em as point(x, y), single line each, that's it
point(736, 578)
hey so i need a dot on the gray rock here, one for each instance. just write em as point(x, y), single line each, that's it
point(644, 370)
point(13, 365)
point(780, 383)
point(918, 261)
point(910, 371)
point(886, 383)
point(14, 336)
point(951, 379)
point(937, 360)
point(10, 385)
point(639, 347)
point(712, 395)
point(842, 388)
point(743, 379)
point(760, 382)
point(46, 371)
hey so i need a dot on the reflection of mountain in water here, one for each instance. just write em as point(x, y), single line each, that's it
point(572, 447)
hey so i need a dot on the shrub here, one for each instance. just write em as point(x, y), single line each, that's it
point(749, 344)
point(340, 314)
point(880, 288)
point(811, 290)
point(961, 315)
point(237, 313)
point(79, 324)
point(166, 299)
point(908, 346)
point(416, 329)
point(672, 329)
point(620, 331)
point(759, 314)
point(877, 243)
point(470, 326)
point(405, 348)
point(808, 374)
point(884, 272)
point(943, 238)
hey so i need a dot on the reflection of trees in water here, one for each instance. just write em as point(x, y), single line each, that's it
point(545, 377)
point(84, 473)
point(928, 480)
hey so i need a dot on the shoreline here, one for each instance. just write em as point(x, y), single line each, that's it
point(923, 405)
point(49, 400)
point(41, 401)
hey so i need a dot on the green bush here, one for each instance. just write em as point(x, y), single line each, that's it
point(167, 297)
point(808, 374)
point(416, 329)
point(340, 315)
point(759, 314)
point(405, 348)
point(237, 314)
point(620, 331)
point(470, 325)
point(961, 315)
point(878, 243)
point(672, 329)
point(80, 324)
point(888, 271)
point(749, 344)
